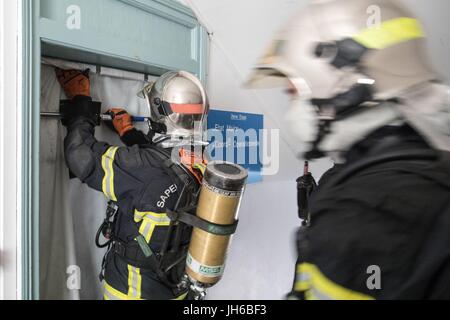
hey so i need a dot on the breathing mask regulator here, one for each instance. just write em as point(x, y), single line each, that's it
point(309, 119)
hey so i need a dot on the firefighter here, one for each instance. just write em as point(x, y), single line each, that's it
point(364, 94)
point(154, 173)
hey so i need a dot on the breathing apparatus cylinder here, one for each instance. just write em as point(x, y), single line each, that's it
point(219, 202)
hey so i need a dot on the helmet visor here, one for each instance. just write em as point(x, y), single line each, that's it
point(187, 108)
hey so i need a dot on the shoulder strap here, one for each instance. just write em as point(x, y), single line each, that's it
point(177, 172)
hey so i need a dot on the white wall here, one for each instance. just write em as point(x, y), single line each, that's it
point(9, 160)
point(262, 259)
point(435, 17)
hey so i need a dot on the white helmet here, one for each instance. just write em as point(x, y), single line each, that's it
point(346, 55)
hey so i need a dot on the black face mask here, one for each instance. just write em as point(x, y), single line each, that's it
point(342, 106)
point(348, 102)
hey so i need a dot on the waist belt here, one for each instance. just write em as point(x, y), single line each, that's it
point(133, 255)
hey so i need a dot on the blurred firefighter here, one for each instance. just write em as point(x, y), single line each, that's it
point(146, 251)
point(364, 94)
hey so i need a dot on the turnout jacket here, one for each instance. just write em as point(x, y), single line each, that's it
point(380, 224)
point(144, 187)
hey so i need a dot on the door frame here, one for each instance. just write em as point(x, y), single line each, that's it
point(31, 42)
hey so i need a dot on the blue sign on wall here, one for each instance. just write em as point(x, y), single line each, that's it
point(236, 137)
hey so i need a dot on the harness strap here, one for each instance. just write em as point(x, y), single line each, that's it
point(176, 171)
point(138, 253)
point(131, 253)
point(192, 220)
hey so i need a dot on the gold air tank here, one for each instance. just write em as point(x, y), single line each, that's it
point(220, 199)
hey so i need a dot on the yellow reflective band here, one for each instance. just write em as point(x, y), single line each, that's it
point(108, 169)
point(159, 219)
point(301, 286)
point(150, 220)
point(134, 283)
point(112, 294)
point(201, 167)
point(318, 287)
point(147, 228)
point(390, 33)
point(139, 216)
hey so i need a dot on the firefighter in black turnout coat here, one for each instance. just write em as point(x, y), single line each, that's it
point(365, 95)
point(152, 174)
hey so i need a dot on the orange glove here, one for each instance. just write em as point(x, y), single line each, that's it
point(121, 120)
point(74, 82)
